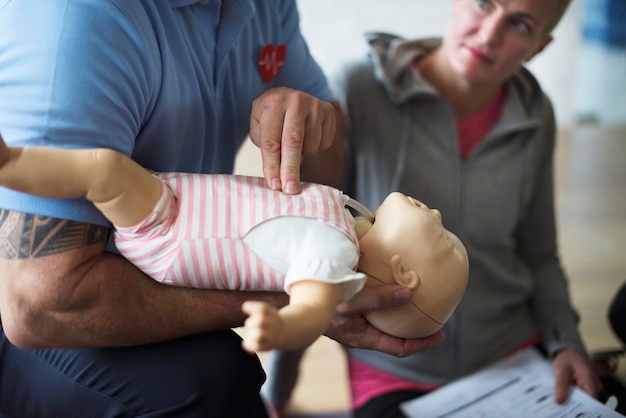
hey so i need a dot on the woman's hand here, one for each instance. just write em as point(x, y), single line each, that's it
point(572, 366)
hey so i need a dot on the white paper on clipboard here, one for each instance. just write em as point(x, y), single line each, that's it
point(519, 386)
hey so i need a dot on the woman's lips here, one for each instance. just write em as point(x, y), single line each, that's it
point(478, 55)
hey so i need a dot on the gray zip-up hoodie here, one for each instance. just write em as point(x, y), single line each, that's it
point(499, 201)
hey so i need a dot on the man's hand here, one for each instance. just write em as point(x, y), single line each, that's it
point(288, 125)
point(571, 366)
point(349, 326)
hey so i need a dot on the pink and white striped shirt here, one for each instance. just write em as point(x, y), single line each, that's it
point(195, 235)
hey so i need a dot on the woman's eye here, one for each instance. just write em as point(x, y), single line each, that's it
point(484, 4)
point(521, 26)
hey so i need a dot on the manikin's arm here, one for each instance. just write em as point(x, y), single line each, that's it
point(120, 188)
point(295, 326)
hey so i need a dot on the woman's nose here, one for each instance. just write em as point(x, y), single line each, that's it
point(491, 29)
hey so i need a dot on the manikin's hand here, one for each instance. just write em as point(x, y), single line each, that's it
point(287, 125)
point(350, 328)
point(263, 327)
point(571, 366)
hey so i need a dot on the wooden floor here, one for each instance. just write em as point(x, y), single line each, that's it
point(591, 210)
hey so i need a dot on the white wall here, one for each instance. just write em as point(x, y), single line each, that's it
point(334, 28)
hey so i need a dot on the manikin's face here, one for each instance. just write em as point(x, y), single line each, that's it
point(487, 40)
point(405, 223)
point(408, 245)
point(437, 244)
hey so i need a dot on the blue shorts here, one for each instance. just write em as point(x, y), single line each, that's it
point(207, 375)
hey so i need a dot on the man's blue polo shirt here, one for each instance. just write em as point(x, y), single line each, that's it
point(169, 83)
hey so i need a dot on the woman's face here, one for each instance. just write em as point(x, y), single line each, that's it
point(488, 40)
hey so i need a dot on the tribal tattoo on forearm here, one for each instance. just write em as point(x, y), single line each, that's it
point(24, 235)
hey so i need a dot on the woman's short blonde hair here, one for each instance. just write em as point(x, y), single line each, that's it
point(560, 7)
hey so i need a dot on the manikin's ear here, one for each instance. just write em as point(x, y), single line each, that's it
point(403, 274)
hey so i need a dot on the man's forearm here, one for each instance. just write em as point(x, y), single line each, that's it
point(60, 289)
point(114, 304)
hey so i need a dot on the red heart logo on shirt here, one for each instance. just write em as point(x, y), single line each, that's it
point(271, 61)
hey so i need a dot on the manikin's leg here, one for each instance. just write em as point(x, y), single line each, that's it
point(282, 375)
point(100, 175)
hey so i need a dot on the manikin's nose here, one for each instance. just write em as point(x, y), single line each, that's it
point(417, 203)
point(423, 206)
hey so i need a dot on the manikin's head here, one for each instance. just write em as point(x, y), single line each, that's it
point(408, 245)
